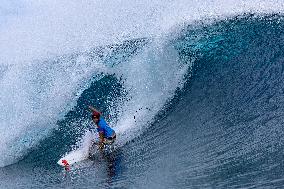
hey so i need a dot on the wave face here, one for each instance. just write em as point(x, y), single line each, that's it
point(226, 130)
point(195, 105)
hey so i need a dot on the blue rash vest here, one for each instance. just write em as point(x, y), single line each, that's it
point(103, 127)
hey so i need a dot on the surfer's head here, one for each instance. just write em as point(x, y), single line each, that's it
point(95, 116)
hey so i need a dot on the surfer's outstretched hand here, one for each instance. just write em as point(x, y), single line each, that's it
point(94, 109)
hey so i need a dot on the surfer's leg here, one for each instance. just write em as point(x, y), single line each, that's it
point(109, 141)
point(109, 146)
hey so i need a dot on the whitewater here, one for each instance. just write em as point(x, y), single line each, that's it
point(193, 90)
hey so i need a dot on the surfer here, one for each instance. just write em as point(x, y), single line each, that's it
point(107, 135)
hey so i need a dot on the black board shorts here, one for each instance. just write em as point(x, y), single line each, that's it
point(110, 140)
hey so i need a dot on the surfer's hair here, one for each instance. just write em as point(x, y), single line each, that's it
point(96, 115)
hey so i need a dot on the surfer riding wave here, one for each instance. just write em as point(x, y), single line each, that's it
point(107, 135)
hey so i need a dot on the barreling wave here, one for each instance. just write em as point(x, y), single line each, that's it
point(204, 104)
point(120, 79)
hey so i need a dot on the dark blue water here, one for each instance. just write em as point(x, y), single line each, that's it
point(223, 129)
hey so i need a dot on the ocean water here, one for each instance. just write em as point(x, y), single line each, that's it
point(193, 89)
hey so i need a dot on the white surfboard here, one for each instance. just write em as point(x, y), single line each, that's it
point(81, 153)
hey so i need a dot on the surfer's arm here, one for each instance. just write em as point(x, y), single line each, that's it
point(94, 109)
